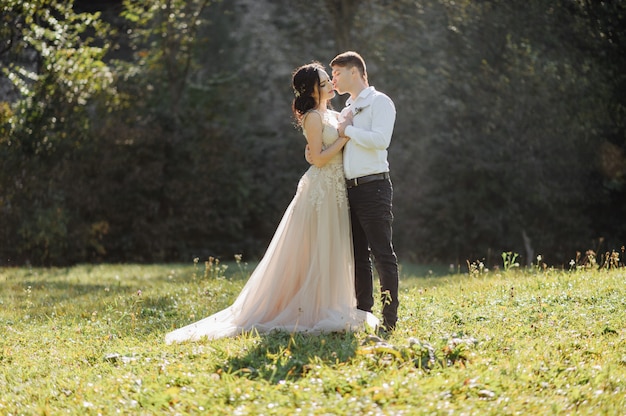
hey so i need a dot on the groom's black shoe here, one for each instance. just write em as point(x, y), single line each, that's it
point(383, 332)
point(388, 326)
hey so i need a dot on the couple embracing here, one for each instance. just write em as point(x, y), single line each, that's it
point(316, 275)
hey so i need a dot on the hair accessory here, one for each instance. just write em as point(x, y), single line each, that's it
point(299, 91)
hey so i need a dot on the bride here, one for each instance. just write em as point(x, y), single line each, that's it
point(305, 281)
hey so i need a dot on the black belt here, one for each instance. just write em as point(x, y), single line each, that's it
point(351, 183)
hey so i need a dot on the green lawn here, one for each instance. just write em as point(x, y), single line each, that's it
point(89, 340)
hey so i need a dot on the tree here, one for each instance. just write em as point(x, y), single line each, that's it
point(509, 168)
point(509, 132)
point(606, 40)
point(171, 153)
point(343, 13)
point(50, 55)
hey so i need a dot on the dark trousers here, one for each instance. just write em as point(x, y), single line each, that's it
point(370, 211)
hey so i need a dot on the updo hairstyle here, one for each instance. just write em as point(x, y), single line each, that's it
point(303, 82)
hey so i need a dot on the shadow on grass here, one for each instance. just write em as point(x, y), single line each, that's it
point(290, 356)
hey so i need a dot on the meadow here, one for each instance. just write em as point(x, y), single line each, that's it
point(88, 340)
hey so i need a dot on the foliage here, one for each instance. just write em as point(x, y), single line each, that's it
point(89, 339)
point(141, 179)
point(163, 132)
point(165, 38)
point(185, 183)
point(607, 41)
point(56, 66)
point(512, 148)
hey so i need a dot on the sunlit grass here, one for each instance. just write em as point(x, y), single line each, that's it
point(89, 340)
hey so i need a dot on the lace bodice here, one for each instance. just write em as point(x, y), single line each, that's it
point(330, 177)
point(329, 132)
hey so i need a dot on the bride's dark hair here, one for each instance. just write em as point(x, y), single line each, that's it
point(303, 82)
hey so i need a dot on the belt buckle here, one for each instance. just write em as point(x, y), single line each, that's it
point(356, 182)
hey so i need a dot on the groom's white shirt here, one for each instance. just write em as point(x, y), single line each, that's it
point(366, 151)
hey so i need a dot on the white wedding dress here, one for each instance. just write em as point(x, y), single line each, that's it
point(305, 281)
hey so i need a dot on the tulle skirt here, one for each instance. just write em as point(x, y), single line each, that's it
point(305, 280)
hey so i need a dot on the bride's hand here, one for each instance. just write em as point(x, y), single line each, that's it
point(345, 123)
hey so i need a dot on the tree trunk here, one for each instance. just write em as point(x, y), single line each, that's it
point(342, 13)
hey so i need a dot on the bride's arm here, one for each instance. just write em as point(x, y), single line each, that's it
point(313, 127)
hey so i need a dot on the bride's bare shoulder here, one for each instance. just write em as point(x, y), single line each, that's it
point(306, 117)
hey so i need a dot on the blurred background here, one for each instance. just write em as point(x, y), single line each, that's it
point(161, 130)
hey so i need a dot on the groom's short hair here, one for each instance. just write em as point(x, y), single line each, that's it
point(350, 59)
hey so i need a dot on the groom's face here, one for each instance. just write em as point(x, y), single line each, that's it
point(341, 79)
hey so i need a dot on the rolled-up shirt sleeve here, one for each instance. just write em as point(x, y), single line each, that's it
point(383, 120)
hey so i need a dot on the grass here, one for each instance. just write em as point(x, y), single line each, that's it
point(88, 340)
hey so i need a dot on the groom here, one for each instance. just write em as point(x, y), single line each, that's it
point(368, 121)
